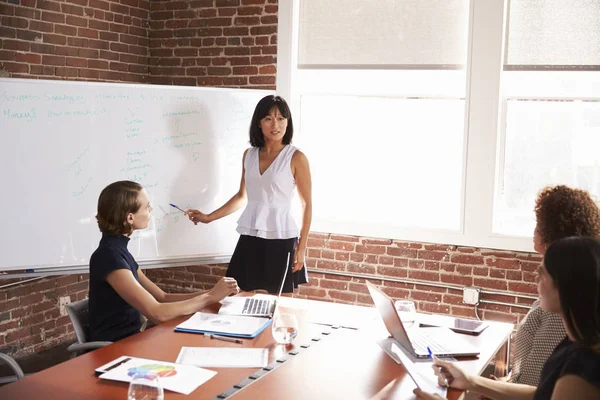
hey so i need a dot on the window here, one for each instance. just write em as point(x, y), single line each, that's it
point(550, 122)
point(440, 120)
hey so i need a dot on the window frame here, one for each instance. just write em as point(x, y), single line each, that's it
point(485, 57)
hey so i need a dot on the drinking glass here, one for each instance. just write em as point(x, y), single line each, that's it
point(406, 311)
point(284, 328)
point(145, 386)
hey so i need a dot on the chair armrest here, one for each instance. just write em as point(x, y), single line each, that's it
point(13, 364)
point(83, 347)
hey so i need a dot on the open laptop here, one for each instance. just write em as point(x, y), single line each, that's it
point(254, 306)
point(416, 341)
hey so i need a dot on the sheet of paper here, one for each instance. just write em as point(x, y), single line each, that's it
point(174, 377)
point(419, 370)
point(223, 357)
point(225, 324)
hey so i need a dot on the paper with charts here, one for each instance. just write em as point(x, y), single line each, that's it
point(174, 377)
point(419, 370)
point(223, 357)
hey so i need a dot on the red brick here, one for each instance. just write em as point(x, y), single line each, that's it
point(89, 33)
point(349, 297)
point(503, 263)
point(371, 259)
point(434, 308)
point(71, 9)
point(311, 291)
point(383, 260)
point(433, 255)
point(263, 30)
point(466, 259)
point(408, 245)
point(457, 279)
point(370, 249)
point(401, 252)
point(65, 30)
point(392, 271)
point(28, 58)
point(14, 67)
point(9, 44)
point(452, 299)
point(400, 262)
point(331, 265)
point(17, 334)
point(329, 284)
point(425, 296)
point(15, 22)
point(28, 12)
point(522, 287)
point(360, 268)
point(490, 283)
point(53, 17)
point(424, 275)
point(55, 39)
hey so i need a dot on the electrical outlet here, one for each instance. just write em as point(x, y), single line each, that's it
point(62, 302)
point(471, 295)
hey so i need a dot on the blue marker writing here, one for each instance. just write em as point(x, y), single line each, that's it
point(174, 206)
point(441, 372)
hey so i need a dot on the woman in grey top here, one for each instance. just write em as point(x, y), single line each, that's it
point(560, 212)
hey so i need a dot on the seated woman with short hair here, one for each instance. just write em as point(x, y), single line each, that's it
point(119, 289)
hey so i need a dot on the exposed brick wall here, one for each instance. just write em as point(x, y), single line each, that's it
point(30, 318)
point(103, 40)
point(333, 259)
point(214, 43)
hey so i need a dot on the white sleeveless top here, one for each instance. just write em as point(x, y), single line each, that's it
point(268, 212)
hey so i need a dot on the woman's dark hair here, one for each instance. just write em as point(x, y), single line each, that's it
point(561, 211)
point(264, 107)
point(574, 265)
point(116, 201)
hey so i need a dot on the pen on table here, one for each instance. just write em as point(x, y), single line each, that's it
point(174, 206)
point(226, 339)
point(441, 373)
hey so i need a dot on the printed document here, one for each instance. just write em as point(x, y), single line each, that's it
point(223, 357)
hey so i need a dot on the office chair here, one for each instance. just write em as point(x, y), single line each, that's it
point(80, 318)
point(14, 366)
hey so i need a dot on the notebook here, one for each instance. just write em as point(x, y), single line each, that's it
point(225, 325)
point(255, 306)
point(442, 342)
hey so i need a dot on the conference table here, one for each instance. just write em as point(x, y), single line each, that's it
point(323, 362)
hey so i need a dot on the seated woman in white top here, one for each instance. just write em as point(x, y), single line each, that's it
point(272, 169)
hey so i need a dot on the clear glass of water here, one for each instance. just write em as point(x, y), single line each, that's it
point(284, 328)
point(406, 311)
point(145, 386)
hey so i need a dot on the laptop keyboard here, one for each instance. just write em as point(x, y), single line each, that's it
point(256, 306)
point(421, 340)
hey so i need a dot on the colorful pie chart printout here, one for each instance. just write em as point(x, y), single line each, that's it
point(149, 371)
point(178, 378)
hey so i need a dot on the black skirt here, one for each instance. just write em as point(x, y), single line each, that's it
point(259, 263)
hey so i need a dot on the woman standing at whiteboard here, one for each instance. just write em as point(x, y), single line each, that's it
point(271, 169)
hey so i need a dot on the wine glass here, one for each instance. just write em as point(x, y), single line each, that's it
point(284, 328)
point(145, 386)
point(406, 311)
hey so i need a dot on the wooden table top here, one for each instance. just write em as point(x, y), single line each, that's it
point(339, 363)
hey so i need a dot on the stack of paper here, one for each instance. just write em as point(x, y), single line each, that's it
point(226, 325)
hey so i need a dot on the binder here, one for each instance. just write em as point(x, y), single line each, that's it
point(224, 325)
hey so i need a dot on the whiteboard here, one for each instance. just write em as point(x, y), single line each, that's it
point(62, 142)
